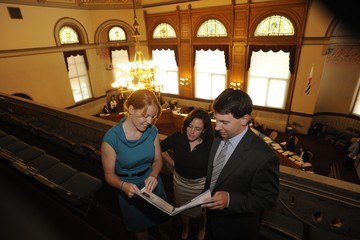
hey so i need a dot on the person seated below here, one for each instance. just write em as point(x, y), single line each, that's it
point(353, 151)
point(113, 104)
point(290, 143)
point(303, 154)
point(105, 110)
point(315, 130)
point(257, 126)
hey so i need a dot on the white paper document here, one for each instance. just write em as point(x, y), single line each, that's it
point(170, 209)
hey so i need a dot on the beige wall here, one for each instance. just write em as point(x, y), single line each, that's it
point(319, 19)
point(311, 55)
point(340, 80)
point(42, 77)
point(36, 29)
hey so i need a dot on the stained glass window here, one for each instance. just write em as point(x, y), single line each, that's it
point(212, 28)
point(275, 26)
point(164, 30)
point(68, 35)
point(117, 34)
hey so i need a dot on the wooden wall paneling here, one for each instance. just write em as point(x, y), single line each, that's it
point(238, 66)
point(185, 27)
point(185, 54)
point(240, 25)
point(186, 66)
point(238, 50)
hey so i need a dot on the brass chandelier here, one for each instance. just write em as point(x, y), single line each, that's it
point(140, 73)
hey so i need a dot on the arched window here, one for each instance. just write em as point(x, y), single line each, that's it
point(164, 30)
point(117, 34)
point(68, 35)
point(275, 26)
point(119, 55)
point(71, 32)
point(210, 62)
point(271, 66)
point(212, 28)
point(165, 59)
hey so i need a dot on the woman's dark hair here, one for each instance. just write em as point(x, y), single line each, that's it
point(208, 132)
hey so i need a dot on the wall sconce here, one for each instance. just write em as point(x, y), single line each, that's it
point(235, 85)
point(109, 67)
point(184, 81)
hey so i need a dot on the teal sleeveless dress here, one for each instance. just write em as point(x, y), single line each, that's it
point(132, 157)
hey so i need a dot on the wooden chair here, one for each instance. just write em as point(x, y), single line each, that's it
point(310, 155)
point(273, 135)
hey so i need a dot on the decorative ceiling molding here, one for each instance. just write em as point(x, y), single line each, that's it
point(96, 4)
point(78, 4)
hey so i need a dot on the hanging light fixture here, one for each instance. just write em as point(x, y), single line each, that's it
point(138, 74)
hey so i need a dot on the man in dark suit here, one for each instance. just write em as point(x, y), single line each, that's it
point(290, 143)
point(248, 183)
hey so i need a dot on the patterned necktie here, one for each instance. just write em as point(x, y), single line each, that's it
point(219, 164)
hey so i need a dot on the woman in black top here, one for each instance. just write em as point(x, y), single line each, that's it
point(191, 148)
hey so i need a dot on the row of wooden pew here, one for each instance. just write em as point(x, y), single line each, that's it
point(74, 188)
point(86, 148)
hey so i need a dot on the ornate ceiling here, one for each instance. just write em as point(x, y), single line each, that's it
point(96, 4)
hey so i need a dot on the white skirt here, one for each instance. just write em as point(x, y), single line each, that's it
point(185, 190)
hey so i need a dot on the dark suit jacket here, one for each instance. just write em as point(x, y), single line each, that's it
point(251, 176)
point(290, 144)
point(305, 156)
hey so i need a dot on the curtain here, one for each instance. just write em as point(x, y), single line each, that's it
point(125, 48)
point(224, 48)
point(75, 53)
point(275, 48)
point(166, 47)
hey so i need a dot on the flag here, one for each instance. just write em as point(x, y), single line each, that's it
point(308, 85)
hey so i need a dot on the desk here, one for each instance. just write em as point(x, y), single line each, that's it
point(286, 158)
point(115, 117)
point(178, 119)
point(286, 161)
point(165, 117)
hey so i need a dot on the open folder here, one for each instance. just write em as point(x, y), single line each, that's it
point(170, 209)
